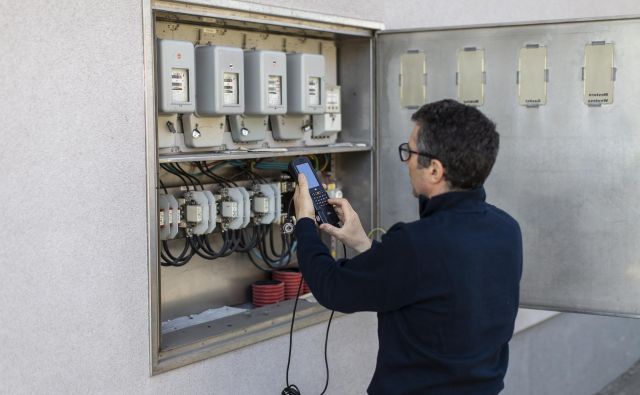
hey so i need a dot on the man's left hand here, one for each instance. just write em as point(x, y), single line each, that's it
point(302, 200)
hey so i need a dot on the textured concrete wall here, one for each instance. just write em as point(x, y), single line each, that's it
point(73, 289)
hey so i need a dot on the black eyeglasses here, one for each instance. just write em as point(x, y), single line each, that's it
point(405, 153)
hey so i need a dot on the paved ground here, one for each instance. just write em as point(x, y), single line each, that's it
point(627, 384)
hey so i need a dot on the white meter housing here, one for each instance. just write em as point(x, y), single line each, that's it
point(176, 77)
point(266, 82)
point(220, 77)
point(330, 122)
point(306, 83)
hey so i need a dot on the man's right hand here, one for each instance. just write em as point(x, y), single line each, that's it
point(351, 233)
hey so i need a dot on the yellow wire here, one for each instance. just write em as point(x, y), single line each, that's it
point(326, 162)
point(315, 161)
point(375, 230)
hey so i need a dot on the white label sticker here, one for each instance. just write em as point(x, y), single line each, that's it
point(230, 87)
point(598, 74)
point(161, 219)
point(313, 91)
point(170, 216)
point(180, 85)
point(274, 90)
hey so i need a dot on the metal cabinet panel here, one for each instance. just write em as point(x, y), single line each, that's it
point(566, 171)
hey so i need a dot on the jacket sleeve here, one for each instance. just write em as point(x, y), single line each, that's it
point(380, 279)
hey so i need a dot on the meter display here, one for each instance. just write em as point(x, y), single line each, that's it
point(176, 85)
point(306, 74)
point(220, 80)
point(180, 85)
point(313, 91)
point(274, 90)
point(265, 82)
point(230, 88)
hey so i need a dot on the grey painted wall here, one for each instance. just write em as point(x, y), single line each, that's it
point(572, 354)
point(73, 289)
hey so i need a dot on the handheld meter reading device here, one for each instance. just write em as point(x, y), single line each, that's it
point(324, 211)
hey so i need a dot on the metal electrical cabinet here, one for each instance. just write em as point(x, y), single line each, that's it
point(565, 171)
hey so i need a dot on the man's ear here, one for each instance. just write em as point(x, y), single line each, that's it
point(435, 171)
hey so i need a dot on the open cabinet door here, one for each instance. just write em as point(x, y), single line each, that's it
point(566, 101)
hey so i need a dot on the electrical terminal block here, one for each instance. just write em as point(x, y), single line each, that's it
point(230, 210)
point(233, 208)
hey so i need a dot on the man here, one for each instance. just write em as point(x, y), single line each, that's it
point(445, 287)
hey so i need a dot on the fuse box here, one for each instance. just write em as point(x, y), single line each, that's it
point(224, 213)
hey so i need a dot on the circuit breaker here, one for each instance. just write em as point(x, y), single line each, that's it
point(330, 122)
point(220, 80)
point(176, 77)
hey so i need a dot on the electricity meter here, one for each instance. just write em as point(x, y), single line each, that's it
point(176, 77)
point(305, 84)
point(305, 96)
point(266, 94)
point(330, 122)
point(220, 80)
point(265, 82)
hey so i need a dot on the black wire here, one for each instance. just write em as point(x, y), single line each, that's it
point(281, 259)
point(187, 174)
point(205, 170)
point(162, 185)
point(179, 170)
point(197, 247)
point(292, 389)
point(169, 170)
point(257, 265)
point(326, 359)
point(209, 249)
point(170, 260)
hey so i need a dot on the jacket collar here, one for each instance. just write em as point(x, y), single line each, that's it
point(450, 200)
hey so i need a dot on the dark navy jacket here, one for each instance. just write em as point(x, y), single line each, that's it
point(445, 288)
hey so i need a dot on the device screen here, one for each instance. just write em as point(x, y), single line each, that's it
point(305, 169)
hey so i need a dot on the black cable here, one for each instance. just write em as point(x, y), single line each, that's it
point(162, 185)
point(204, 167)
point(187, 174)
point(196, 244)
point(210, 250)
point(170, 260)
point(266, 270)
point(173, 170)
point(292, 389)
point(169, 170)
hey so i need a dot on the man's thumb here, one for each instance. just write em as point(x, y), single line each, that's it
point(302, 180)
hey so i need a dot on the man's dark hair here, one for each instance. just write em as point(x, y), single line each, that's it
point(461, 137)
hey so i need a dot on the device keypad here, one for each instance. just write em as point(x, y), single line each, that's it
point(319, 197)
